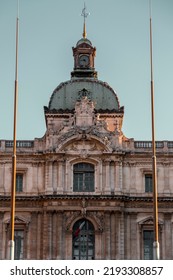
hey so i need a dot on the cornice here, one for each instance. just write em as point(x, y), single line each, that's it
point(122, 198)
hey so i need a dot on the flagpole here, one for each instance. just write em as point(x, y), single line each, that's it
point(156, 253)
point(13, 181)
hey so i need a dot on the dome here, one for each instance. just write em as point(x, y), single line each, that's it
point(66, 94)
point(83, 40)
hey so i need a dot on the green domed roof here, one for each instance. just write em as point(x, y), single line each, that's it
point(83, 40)
point(66, 94)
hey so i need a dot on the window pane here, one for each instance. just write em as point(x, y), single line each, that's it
point(19, 182)
point(148, 183)
point(18, 248)
point(83, 241)
point(83, 177)
point(148, 238)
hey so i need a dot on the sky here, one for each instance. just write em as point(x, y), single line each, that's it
point(119, 29)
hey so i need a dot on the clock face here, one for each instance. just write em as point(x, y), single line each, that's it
point(84, 60)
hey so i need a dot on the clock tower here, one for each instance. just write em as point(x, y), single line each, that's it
point(84, 54)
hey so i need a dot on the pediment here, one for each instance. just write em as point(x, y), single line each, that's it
point(148, 221)
point(87, 145)
point(80, 138)
point(18, 220)
point(80, 145)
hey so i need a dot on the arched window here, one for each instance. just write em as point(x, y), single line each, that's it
point(83, 177)
point(83, 240)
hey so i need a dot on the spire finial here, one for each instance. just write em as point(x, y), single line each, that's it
point(84, 15)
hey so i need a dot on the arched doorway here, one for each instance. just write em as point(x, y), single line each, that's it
point(83, 244)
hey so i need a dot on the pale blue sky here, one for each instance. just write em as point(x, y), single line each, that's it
point(119, 29)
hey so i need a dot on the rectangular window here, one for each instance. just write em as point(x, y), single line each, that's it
point(18, 248)
point(148, 239)
point(148, 183)
point(83, 177)
point(19, 182)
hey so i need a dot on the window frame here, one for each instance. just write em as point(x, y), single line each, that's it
point(16, 235)
point(147, 225)
point(149, 230)
point(83, 177)
point(21, 224)
point(19, 182)
point(148, 183)
point(85, 238)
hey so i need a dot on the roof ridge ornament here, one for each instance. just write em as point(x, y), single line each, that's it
point(84, 14)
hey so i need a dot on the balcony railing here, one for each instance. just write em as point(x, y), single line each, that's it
point(19, 144)
point(148, 144)
point(170, 144)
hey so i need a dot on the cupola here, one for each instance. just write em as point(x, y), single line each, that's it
point(84, 54)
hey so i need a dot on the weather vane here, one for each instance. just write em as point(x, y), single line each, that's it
point(84, 14)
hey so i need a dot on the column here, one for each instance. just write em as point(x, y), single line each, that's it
point(66, 175)
point(46, 176)
point(98, 245)
point(54, 176)
point(59, 227)
point(45, 235)
point(120, 177)
point(1, 234)
point(63, 176)
point(34, 175)
point(112, 177)
point(117, 235)
point(49, 233)
point(54, 235)
point(113, 237)
point(33, 236)
point(28, 244)
point(103, 176)
point(168, 237)
point(126, 178)
point(133, 236)
point(100, 186)
point(96, 179)
point(166, 189)
point(133, 177)
point(39, 233)
point(2, 176)
point(121, 236)
point(60, 183)
point(107, 189)
point(107, 235)
point(40, 175)
point(116, 176)
point(50, 180)
point(127, 237)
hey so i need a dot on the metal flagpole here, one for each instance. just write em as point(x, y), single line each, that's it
point(13, 181)
point(156, 254)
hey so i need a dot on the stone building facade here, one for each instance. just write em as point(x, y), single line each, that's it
point(84, 190)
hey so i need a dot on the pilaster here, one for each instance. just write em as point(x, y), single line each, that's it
point(168, 237)
point(107, 238)
point(121, 236)
point(166, 189)
point(1, 234)
point(120, 177)
point(33, 236)
point(112, 177)
point(59, 241)
point(113, 236)
point(133, 236)
point(54, 235)
point(60, 176)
